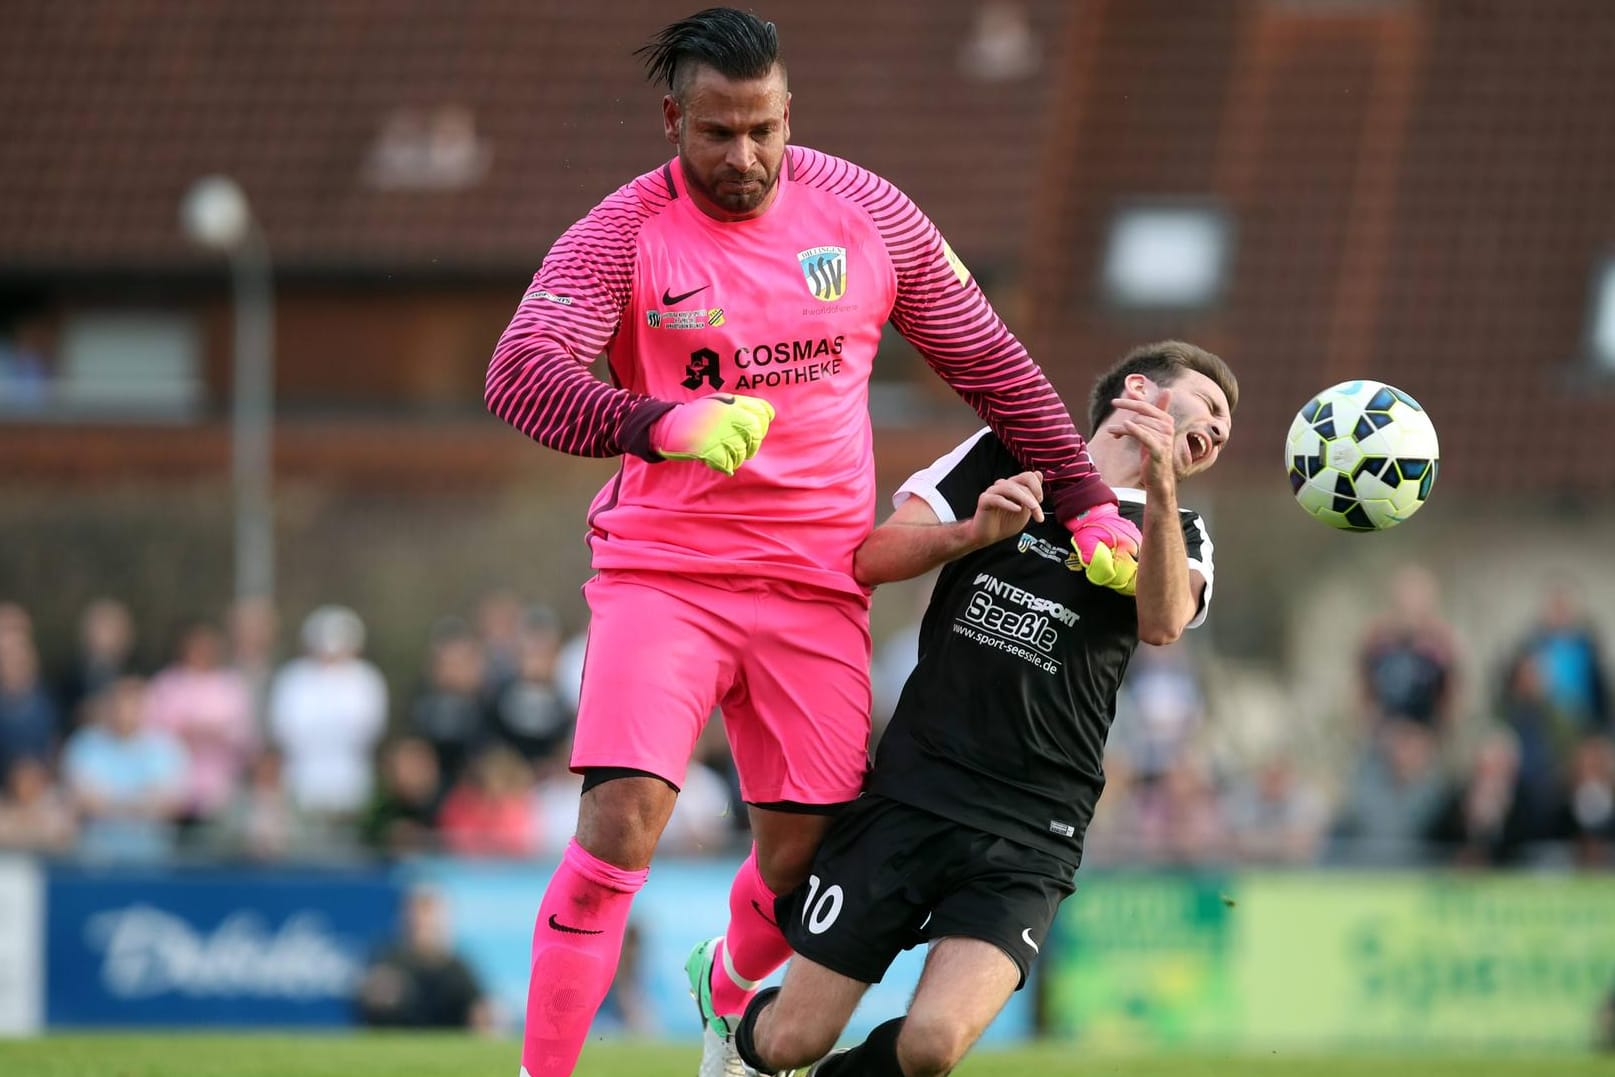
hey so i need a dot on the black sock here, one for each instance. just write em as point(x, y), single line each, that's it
point(875, 1057)
point(748, 1024)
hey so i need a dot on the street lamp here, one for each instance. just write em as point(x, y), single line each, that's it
point(215, 214)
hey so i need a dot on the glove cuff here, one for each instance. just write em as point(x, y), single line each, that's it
point(635, 433)
point(1073, 499)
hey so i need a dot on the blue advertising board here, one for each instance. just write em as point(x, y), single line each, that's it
point(210, 947)
point(492, 907)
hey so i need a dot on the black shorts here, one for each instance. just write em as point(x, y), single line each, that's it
point(890, 876)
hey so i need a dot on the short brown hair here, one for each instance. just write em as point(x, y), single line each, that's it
point(1163, 362)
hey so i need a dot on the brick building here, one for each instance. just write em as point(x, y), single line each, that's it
point(1418, 191)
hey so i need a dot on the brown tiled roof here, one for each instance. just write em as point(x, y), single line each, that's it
point(1420, 191)
point(112, 107)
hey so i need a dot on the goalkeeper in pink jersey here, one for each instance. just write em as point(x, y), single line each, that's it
point(738, 293)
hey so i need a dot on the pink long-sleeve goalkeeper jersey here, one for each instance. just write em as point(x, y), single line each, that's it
point(787, 306)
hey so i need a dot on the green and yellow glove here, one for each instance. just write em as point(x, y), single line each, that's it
point(1117, 571)
point(1105, 548)
point(721, 430)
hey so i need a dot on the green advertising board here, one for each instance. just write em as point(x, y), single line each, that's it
point(1424, 961)
point(1141, 961)
point(1317, 961)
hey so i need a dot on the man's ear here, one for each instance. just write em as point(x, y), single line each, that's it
point(1138, 386)
point(672, 118)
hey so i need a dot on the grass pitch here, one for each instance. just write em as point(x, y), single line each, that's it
point(403, 1055)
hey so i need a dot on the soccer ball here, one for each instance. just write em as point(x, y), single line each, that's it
point(1362, 456)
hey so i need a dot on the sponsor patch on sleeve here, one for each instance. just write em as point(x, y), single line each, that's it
point(958, 266)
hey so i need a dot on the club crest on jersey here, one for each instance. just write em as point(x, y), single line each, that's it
point(825, 271)
point(1028, 543)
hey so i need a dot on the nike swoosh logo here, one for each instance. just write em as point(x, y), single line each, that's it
point(764, 915)
point(669, 299)
point(558, 926)
point(1026, 937)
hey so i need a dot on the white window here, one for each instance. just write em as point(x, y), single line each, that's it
point(130, 364)
point(1166, 256)
point(1601, 323)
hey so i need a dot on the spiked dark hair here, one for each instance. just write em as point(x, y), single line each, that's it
point(736, 44)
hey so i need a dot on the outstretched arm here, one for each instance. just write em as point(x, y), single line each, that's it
point(951, 324)
point(944, 314)
point(941, 311)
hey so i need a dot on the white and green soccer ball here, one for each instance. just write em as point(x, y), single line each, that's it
point(1362, 456)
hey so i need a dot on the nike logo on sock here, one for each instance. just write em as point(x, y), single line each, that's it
point(669, 299)
point(558, 926)
point(771, 921)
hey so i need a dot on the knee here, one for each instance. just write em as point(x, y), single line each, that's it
point(930, 1048)
point(620, 846)
point(622, 825)
point(787, 1041)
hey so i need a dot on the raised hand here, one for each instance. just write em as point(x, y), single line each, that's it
point(1150, 423)
point(1006, 506)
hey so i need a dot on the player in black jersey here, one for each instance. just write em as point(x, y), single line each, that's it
point(970, 830)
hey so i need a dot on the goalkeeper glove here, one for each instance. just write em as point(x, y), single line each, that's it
point(721, 430)
point(1117, 571)
point(1105, 547)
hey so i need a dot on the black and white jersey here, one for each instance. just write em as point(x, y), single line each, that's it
point(1002, 724)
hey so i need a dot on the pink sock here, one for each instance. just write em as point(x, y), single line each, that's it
point(753, 947)
point(577, 940)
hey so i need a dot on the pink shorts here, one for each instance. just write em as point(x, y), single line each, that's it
point(788, 665)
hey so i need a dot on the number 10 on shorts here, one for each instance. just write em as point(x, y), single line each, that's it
point(819, 911)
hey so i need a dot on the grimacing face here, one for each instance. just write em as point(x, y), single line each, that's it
point(731, 137)
point(1200, 417)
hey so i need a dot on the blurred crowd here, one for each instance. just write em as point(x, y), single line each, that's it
point(1436, 759)
point(229, 750)
point(235, 749)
